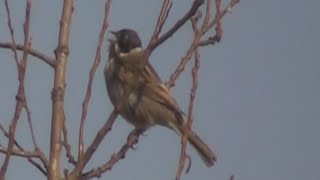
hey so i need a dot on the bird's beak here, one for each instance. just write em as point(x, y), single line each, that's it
point(113, 32)
point(113, 39)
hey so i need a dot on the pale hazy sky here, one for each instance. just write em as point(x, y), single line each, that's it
point(258, 102)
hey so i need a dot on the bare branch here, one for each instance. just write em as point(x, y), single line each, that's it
point(12, 34)
point(33, 52)
point(132, 139)
point(94, 145)
point(197, 41)
point(221, 15)
point(195, 70)
point(58, 92)
point(66, 144)
point(166, 6)
point(91, 76)
point(16, 152)
point(20, 97)
point(180, 68)
point(42, 158)
point(154, 44)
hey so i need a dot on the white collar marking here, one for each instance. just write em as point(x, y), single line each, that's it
point(121, 54)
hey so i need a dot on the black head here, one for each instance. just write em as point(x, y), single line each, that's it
point(127, 39)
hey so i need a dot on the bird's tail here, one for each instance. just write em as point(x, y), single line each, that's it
point(180, 127)
point(207, 155)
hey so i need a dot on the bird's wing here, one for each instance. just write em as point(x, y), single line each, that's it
point(150, 70)
point(134, 63)
point(159, 93)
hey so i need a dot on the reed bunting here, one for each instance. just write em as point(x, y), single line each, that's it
point(145, 100)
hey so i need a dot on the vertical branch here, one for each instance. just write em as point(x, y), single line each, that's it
point(219, 26)
point(166, 6)
point(195, 70)
point(26, 47)
point(208, 14)
point(66, 144)
point(61, 52)
point(91, 76)
point(14, 46)
point(20, 97)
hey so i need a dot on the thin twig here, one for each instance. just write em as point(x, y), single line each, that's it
point(180, 68)
point(219, 26)
point(20, 97)
point(13, 41)
point(94, 145)
point(166, 6)
point(16, 152)
point(48, 60)
point(193, 10)
point(197, 42)
point(41, 155)
point(66, 144)
point(231, 4)
point(195, 70)
point(208, 14)
point(132, 139)
point(91, 76)
point(27, 46)
point(42, 158)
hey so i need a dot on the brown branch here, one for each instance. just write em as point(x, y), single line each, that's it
point(31, 127)
point(20, 97)
point(16, 152)
point(166, 6)
point(66, 144)
point(13, 41)
point(33, 52)
point(132, 139)
point(94, 145)
point(26, 28)
point(180, 68)
point(27, 45)
point(58, 92)
point(208, 14)
point(154, 44)
point(42, 158)
point(198, 42)
point(91, 76)
point(231, 4)
point(219, 26)
point(195, 70)
point(40, 153)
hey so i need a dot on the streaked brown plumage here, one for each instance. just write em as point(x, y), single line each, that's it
point(148, 101)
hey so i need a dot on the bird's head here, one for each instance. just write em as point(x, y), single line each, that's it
point(126, 40)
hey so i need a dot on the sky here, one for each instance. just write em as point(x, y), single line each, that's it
point(257, 105)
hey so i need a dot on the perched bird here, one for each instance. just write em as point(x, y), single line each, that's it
point(145, 100)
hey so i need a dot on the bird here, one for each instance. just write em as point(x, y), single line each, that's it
point(144, 98)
